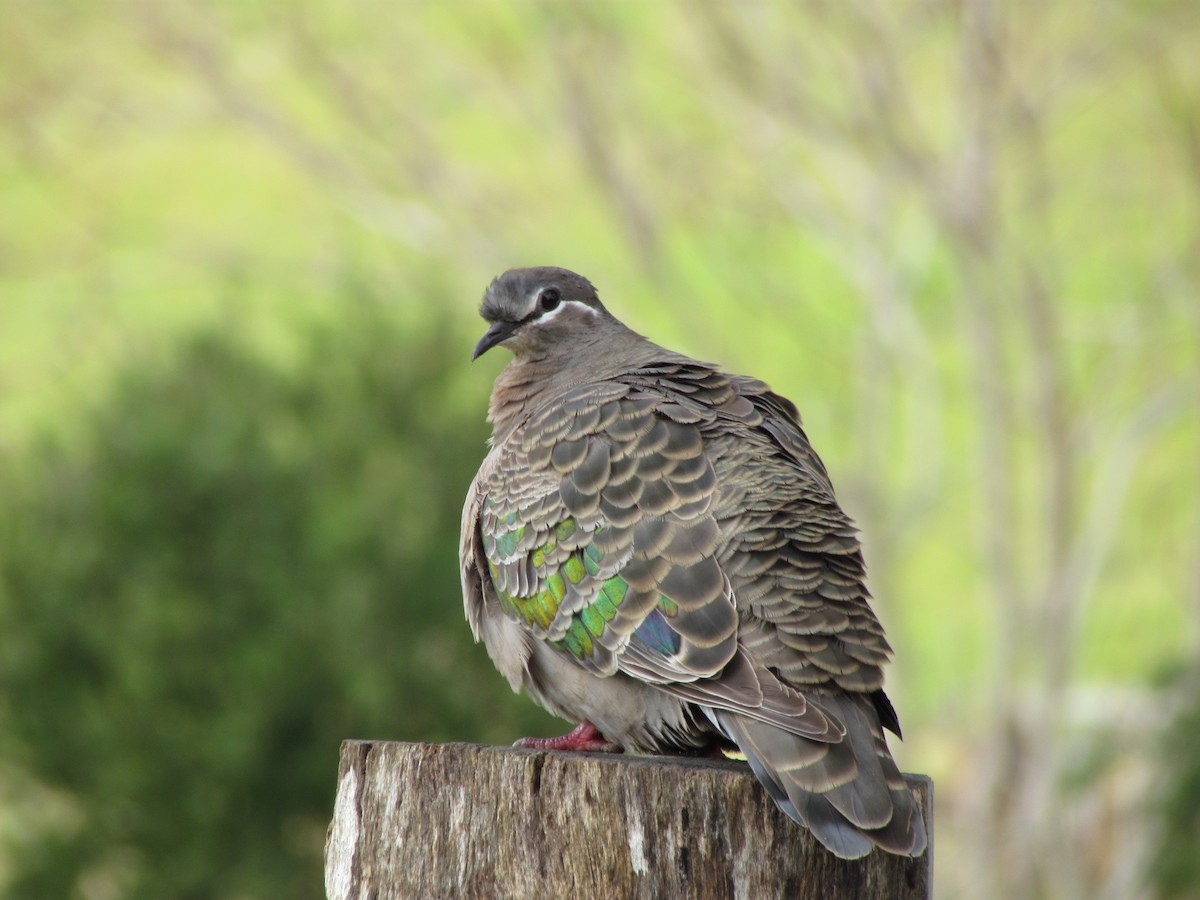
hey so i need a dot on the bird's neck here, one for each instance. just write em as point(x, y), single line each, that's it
point(534, 379)
point(522, 386)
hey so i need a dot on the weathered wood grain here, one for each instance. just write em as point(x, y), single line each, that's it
point(461, 820)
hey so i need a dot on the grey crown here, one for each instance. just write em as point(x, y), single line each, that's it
point(652, 546)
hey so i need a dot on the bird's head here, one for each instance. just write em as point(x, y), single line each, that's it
point(540, 310)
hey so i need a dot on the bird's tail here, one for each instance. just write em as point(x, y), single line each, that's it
point(849, 793)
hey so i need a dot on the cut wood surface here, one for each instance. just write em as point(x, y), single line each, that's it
point(463, 820)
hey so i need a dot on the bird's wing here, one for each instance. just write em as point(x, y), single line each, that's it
point(794, 559)
point(597, 523)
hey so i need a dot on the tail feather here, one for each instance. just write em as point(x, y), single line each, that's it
point(831, 828)
point(866, 801)
point(849, 793)
point(905, 833)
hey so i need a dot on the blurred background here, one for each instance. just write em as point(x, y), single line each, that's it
point(242, 245)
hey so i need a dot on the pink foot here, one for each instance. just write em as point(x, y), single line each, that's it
point(585, 737)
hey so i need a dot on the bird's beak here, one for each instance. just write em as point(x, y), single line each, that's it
point(497, 334)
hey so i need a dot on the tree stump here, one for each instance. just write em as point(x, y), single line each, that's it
point(462, 820)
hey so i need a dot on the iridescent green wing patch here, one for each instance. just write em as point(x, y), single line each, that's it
point(507, 541)
point(589, 623)
point(558, 573)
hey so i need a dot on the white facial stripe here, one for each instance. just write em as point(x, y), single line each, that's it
point(549, 316)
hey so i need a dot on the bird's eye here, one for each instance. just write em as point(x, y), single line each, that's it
point(549, 299)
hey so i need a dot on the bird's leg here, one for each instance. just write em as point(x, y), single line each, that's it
point(585, 737)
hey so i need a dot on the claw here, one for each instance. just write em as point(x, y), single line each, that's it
point(585, 737)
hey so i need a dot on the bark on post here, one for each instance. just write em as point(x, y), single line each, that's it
point(462, 820)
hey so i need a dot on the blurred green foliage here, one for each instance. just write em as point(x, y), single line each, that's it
point(233, 568)
point(1175, 869)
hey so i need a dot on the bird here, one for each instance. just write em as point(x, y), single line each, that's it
point(652, 549)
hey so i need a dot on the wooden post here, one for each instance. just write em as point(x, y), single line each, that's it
point(462, 820)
